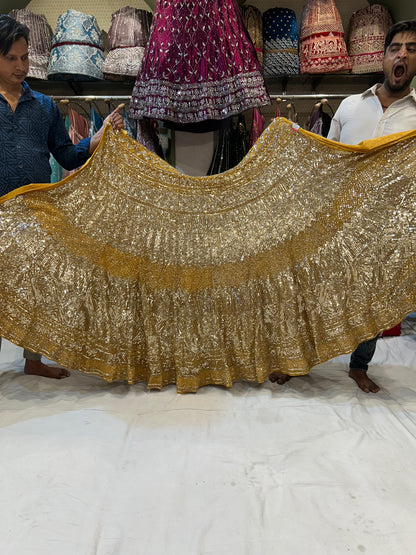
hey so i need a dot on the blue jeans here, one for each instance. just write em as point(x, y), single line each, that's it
point(363, 354)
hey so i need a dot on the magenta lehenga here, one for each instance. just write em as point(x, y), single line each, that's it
point(130, 270)
point(200, 64)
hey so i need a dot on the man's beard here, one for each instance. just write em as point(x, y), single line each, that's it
point(397, 88)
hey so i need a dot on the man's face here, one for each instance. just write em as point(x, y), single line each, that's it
point(399, 62)
point(14, 66)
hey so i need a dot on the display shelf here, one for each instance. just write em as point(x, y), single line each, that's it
point(343, 83)
point(316, 84)
point(303, 89)
point(81, 88)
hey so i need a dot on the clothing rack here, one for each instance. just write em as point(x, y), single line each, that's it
point(91, 98)
point(283, 96)
point(286, 98)
point(308, 96)
point(103, 104)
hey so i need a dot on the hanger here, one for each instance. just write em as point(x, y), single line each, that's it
point(316, 107)
point(109, 108)
point(291, 112)
point(92, 105)
point(325, 102)
point(278, 102)
point(67, 102)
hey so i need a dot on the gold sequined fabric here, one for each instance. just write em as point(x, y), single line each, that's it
point(130, 270)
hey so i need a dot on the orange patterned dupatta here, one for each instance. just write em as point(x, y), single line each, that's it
point(130, 270)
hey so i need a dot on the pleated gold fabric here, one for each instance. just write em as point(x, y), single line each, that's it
point(129, 270)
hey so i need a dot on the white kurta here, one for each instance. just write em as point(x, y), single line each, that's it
point(361, 117)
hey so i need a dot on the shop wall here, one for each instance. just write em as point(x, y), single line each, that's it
point(102, 9)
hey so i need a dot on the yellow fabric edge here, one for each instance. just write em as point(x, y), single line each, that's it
point(363, 147)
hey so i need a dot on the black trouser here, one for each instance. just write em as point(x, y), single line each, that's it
point(363, 354)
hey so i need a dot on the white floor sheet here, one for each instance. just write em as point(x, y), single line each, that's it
point(313, 467)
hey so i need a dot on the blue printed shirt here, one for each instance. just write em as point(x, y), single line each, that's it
point(29, 136)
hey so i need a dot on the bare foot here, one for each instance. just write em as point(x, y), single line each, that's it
point(279, 377)
point(37, 368)
point(363, 381)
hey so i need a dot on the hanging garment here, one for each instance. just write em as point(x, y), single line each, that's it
point(322, 44)
point(96, 122)
point(254, 23)
point(232, 145)
point(320, 121)
point(367, 31)
point(130, 125)
point(77, 48)
point(257, 127)
point(147, 134)
point(394, 331)
point(40, 41)
point(292, 115)
point(280, 39)
point(278, 113)
point(200, 64)
point(57, 171)
point(127, 38)
point(130, 270)
point(102, 10)
point(79, 128)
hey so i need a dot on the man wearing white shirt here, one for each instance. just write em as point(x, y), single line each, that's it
point(362, 116)
point(383, 109)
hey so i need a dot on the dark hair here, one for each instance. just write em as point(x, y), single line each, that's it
point(11, 31)
point(399, 27)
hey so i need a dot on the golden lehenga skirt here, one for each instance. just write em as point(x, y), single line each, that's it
point(130, 270)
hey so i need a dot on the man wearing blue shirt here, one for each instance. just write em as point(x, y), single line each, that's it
point(32, 128)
